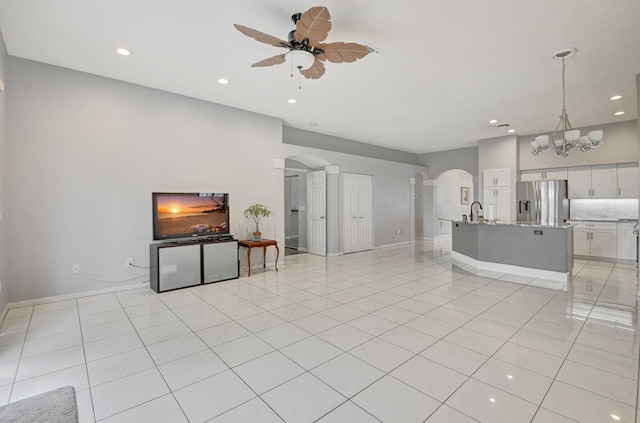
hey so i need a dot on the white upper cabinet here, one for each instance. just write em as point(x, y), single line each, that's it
point(497, 177)
point(559, 173)
point(628, 180)
point(593, 181)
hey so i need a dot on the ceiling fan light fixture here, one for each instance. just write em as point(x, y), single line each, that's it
point(301, 59)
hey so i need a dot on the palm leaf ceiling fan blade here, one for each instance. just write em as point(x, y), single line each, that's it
point(305, 42)
point(262, 37)
point(275, 60)
point(315, 71)
point(340, 52)
point(314, 24)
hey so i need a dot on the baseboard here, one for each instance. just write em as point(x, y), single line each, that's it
point(507, 268)
point(303, 249)
point(75, 295)
point(334, 254)
point(398, 244)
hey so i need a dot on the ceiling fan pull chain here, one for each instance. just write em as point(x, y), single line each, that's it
point(299, 80)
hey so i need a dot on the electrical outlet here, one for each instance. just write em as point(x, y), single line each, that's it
point(129, 262)
point(75, 268)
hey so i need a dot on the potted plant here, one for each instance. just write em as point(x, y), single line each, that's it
point(256, 213)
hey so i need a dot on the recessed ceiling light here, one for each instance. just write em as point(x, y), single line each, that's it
point(313, 124)
point(492, 399)
point(616, 97)
point(620, 113)
point(123, 52)
point(511, 131)
point(223, 81)
point(615, 417)
point(291, 100)
point(492, 121)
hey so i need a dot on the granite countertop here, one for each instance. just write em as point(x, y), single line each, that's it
point(520, 225)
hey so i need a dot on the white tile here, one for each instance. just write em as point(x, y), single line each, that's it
point(409, 339)
point(260, 321)
point(119, 365)
point(348, 412)
point(130, 391)
point(501, 331)
point(163, 332)
point(106, 330)
point(381, 354)
point(74, 376)
point(175, 348)
point(315, 323)
point(455, 357)
point(160, 410)
point(530, 359)
point(347, 374)
point(584, 406)
point(226, 388)
point(396, 314)
point(15, 323)
point(191, 368)
point(486, 403)
point(310, 352)
point(603, 383)
point(373, 325)
point(268, 371)
point(5, 393)
point(433, 379)
point(12, 313)
point(242, 350)
point(282, 335)
point(520, 382)
point(303, 399)
point(431, 326)
point(545, 416)
point(344, 313)
point(540, 342)
point(603, 360)
point(10, 352)
point(254, 410)
point(47, 328)
point(50, 362)
point(102, 318)
point(393, 401)
point(85, 406)
point(97, 304)
point(145, 321)
point(446, 414)
point(144, 309)
point(55, 306)
point(55, 316)
point(345, 337)
point(111, 346)
point(292, 312)
point(220, 334)
point(605, 343)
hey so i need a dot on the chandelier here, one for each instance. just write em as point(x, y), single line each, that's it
point(564, 137)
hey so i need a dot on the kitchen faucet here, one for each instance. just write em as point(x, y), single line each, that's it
point(476, 213)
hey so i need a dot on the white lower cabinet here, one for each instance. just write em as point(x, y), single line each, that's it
point(595, 239)
point(626, 241)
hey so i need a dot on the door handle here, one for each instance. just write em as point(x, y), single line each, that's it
point(321, 217)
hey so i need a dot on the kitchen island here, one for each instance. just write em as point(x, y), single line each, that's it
point(532, 250)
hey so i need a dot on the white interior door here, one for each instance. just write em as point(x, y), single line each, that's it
point(317, 212)
point(357, 228)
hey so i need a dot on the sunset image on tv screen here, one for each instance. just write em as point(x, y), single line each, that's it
point(184, 215)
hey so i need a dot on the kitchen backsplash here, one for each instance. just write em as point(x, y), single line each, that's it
point(610, 209)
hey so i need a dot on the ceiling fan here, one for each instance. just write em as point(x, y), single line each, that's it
point(305, 44)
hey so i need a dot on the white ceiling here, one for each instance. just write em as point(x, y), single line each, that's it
point(444, 68)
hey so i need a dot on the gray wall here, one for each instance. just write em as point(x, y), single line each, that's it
point(6, 286)
point(85, 154)
point(441, 161)
point(303, 138)
point(620, 146)
point(391, 189)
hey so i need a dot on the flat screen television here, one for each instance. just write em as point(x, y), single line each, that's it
point(190, 215)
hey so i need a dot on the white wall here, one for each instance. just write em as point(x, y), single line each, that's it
point(391, 190)
point(448, 187)
point(499, 153)
point(6, 282)
point(85, 154)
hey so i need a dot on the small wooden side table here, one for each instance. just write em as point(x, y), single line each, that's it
point(264, 243)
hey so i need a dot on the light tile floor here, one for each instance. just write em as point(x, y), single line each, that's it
point(394, 335)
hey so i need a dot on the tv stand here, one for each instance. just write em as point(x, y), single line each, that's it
point(182, 264)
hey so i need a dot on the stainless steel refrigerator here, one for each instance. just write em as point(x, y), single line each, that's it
point(543, 202)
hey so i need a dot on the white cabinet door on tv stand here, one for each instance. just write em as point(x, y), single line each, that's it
point(179, 267)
